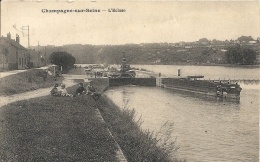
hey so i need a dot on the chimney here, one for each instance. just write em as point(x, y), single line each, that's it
point(17, 39)
point(9, 35)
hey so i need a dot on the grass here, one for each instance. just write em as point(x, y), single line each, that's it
point(66, 129)
point(26, 81)
point(54, 129)
point(137, 145)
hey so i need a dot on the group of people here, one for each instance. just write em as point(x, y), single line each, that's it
point(89, 90)
point(62, 91)
point(81, 90)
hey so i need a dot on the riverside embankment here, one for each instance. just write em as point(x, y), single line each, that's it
point(207, 129)
point(39, 127)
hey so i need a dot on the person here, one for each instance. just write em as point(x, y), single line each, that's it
point(54, 91)
point(219, 90)
point(81, 89)
point(91, 91)
point(63, 91)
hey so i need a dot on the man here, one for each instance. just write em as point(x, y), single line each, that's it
point(91, 91)
point(54, 91)
point(80, 90)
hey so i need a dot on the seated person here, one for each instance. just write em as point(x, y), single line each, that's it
point(63, 91)
point(81, 89)
point(54, 91)
point(91, 91)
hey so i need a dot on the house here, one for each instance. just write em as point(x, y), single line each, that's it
point(13, 55)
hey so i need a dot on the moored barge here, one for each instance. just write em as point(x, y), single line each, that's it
point(208, 87)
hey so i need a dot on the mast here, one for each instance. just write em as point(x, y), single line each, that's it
point(123, 70)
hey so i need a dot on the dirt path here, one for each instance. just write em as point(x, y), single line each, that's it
point(4, 100)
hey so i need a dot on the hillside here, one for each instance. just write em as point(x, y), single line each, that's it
point(200, 52)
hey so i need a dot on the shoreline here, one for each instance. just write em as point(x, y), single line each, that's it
point(122, 125)
point(223, 65)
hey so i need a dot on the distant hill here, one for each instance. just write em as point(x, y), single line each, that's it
point(203, 51)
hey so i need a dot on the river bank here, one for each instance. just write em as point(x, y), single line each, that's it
point(205, 64)
point(136, 144)
point(68, 129)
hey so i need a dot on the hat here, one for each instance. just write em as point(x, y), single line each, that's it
point(81, 84)
point(56, 85)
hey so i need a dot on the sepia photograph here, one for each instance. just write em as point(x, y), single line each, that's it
point(129, 81)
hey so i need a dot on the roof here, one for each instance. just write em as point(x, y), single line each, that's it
point(13, 42)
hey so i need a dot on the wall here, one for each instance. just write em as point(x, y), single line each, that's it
point(149, 82)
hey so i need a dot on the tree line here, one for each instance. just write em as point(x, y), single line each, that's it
point(151, 53)
point(241, 55)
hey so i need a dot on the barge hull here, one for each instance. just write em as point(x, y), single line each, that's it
point(204, 87)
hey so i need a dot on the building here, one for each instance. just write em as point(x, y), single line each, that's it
point(37, 58)
point(13, 55)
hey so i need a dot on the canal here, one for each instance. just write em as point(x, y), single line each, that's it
point(207, 129)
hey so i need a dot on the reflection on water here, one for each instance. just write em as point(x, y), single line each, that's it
point(207, 129)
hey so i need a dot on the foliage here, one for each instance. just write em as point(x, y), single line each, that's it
point(63, 59)
point(150, 53)
point(245, 38)
point(203, 40)
point(138, 144)
point(241, 55)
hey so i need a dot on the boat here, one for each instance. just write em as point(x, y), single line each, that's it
point(208, 87)
point(124, 72)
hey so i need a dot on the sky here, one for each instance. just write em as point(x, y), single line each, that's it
point(142, 21)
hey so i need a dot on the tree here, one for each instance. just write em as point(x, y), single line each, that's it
point(249, 56)
point(241, 55)
point(63, 59)
point(204, 41)
point(245, 39)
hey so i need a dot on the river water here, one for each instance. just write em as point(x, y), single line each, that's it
point(209, 72)
point(207, 129)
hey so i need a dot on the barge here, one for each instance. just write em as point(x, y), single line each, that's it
point(208, 87)
point(124, 72)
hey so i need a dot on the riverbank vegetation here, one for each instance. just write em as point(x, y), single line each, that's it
point(241, 55)
point(31, 79)
point(67, 129)
point(136, 144)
